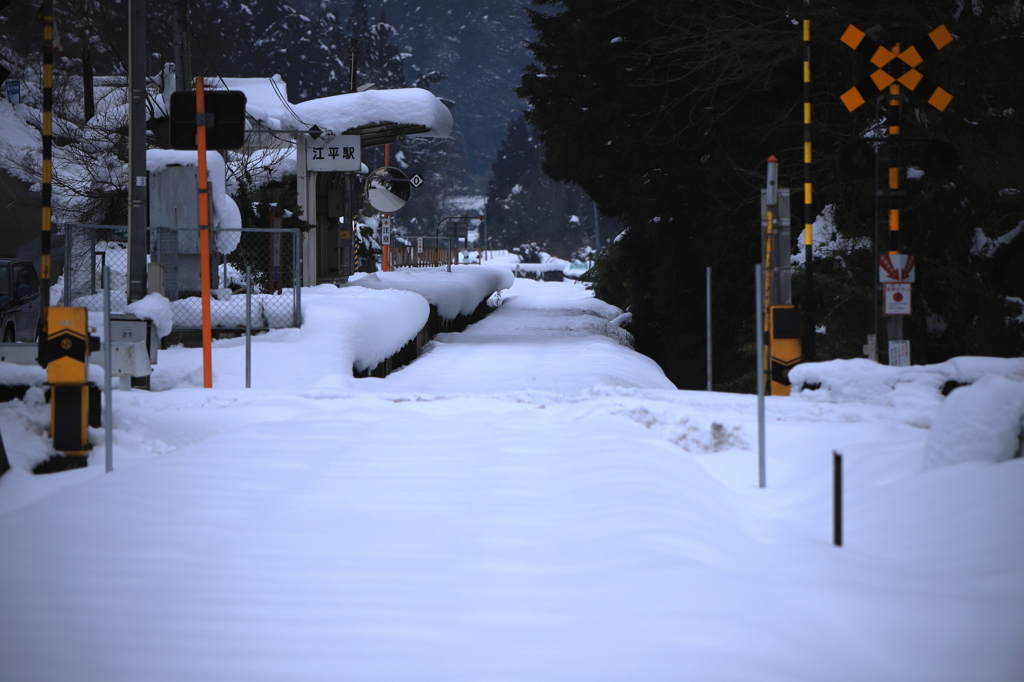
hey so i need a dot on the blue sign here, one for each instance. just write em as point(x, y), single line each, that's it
point(12, 89)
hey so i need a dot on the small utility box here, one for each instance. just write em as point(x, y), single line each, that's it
point(133, 346)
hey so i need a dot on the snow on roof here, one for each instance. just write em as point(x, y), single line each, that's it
point(266, 99)
point(267, 102)
point(411, 106)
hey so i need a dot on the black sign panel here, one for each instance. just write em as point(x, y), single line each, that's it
point(225, 121)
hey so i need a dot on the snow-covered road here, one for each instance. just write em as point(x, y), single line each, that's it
point(530, 500)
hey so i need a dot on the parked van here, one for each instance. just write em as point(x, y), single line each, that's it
point(19, 300)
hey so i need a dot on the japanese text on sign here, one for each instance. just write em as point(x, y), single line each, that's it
point(334, 153)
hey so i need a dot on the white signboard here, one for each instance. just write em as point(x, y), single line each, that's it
point(419, 244)
point(385, 230)
point(896, 267)
point(899, 353)
point(897, 298)
point(334, 153)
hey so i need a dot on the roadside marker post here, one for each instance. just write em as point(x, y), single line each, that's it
point(72, 397)
point(837, 499)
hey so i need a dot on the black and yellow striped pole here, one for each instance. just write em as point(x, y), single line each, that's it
point(808, 303)
point(771, 199)
point(46, 17)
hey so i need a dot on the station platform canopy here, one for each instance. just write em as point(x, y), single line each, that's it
point(376, 116)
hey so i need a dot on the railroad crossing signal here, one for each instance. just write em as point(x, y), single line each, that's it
point(896, 65)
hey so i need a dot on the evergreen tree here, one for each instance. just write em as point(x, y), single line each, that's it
point(665, 112)
point(526, 209)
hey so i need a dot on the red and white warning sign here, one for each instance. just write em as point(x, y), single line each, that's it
point(897, 298)
point(896, 267)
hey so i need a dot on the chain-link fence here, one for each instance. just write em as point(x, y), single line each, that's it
point(174, 269)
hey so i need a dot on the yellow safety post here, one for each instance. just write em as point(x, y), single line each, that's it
point(67, 351)
point(786, 348)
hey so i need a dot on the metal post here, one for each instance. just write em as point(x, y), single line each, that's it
point(353, 52)
point(597, 229)
point(248, 326)
point(837, 499)
point(69, 231)
point(709, 325)
point(137, 152)
point(297, 279)
point(771, 201)
point(108, 361)
point(182, 77)
point(759, 318)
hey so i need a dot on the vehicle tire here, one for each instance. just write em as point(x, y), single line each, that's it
point(8, 334)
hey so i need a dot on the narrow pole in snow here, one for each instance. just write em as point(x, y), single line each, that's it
point(759, 325)
point(809, 350)
point(248, 326)
point(709, 325)
point(204, 235)
point(46, 217)
point(137, 191)
point(385, 247)
point(108, 360)
point(772, 201)
point(837, 499)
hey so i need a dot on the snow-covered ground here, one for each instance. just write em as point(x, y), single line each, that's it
point(530, 500)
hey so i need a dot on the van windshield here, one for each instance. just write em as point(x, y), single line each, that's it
point(4, 289)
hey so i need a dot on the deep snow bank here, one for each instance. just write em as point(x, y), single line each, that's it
point(982, 419)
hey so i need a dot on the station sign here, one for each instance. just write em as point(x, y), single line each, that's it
point(334, 153)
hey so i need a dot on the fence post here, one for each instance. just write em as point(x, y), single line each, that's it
point(837, 499)
point(759, 320)
point(296, 278)
point(248, 326)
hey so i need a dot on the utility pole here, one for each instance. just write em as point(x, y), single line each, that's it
point(182, 62)
point(137, 151)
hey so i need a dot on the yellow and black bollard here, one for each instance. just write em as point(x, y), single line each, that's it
point(74, 402)
point(785, 343)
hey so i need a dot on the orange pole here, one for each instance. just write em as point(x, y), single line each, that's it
point(204, 234)
point(386, 248)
